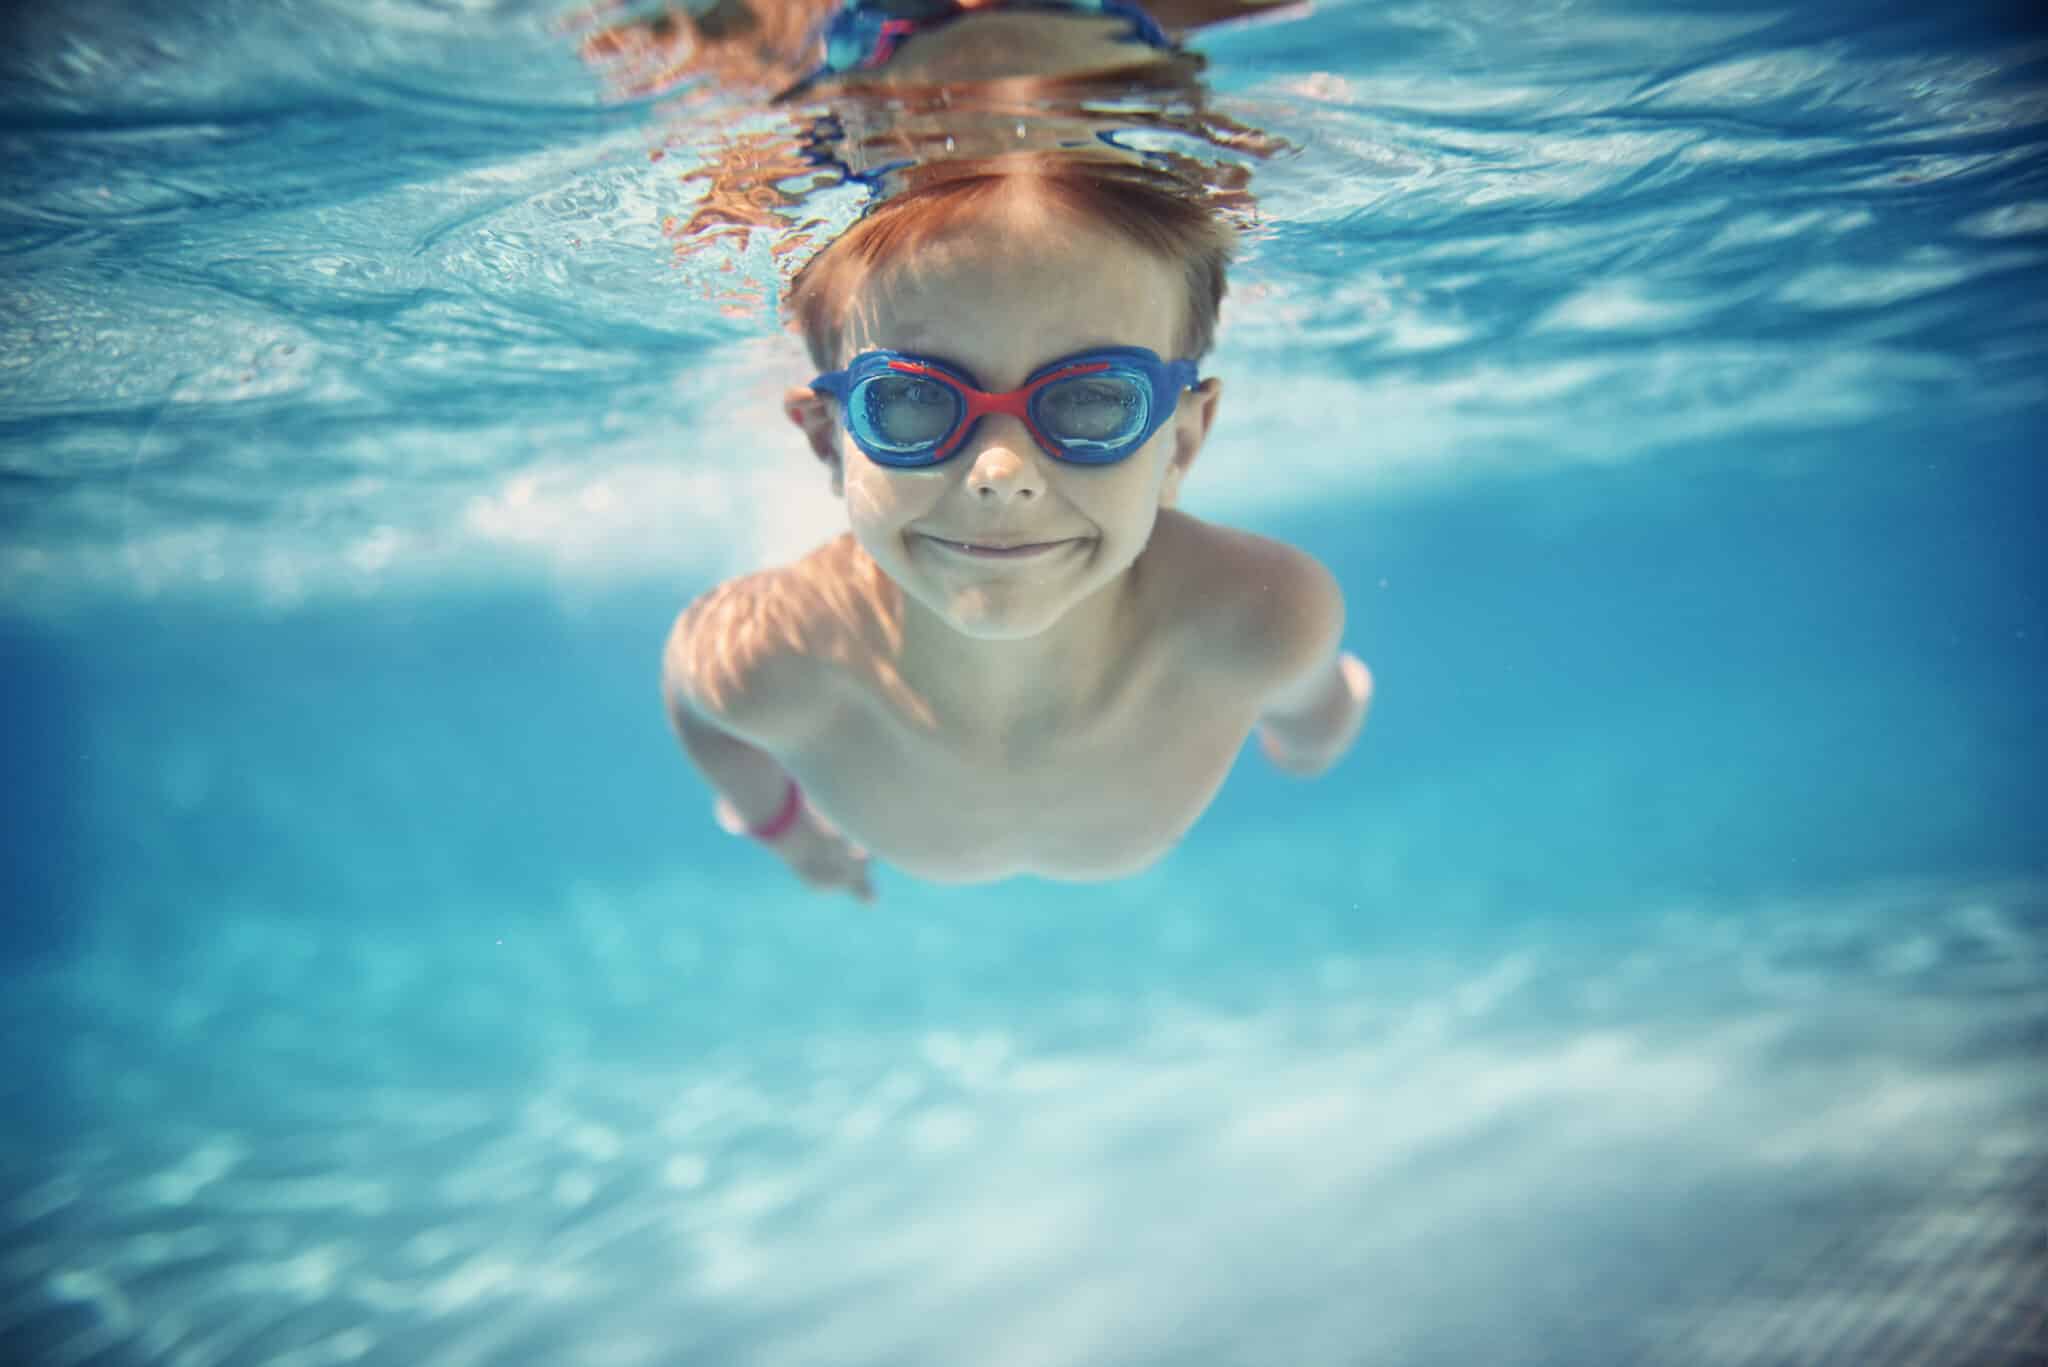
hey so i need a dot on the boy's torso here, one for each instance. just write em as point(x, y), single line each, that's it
point(1100, 796)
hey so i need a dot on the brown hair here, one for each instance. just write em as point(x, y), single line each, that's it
point(1151, 209)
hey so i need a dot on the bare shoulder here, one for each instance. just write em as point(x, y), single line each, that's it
point(1257, 605)
point(746, 655)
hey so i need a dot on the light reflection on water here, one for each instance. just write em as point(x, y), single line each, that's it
point(1727, 1130)
point(305, 305)
point(249, 335)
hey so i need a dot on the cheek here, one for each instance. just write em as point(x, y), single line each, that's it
point(1129, 498)
point(881, 498)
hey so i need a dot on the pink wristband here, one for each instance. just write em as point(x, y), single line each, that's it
point(784, 819)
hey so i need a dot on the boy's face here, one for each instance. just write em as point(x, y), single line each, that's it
point(1002, 302)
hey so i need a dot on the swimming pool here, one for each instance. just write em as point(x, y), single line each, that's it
point(1660, 981)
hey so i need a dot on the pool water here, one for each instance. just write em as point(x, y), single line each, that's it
point(1662, 979)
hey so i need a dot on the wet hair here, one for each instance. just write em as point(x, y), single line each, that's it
point(1151, 209)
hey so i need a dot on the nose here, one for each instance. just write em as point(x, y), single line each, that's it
point(1004, 462)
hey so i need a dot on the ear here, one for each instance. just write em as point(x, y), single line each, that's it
point(1190, 429)
point(813, 415)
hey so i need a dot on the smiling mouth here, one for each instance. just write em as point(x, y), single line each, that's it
point(1022, 550)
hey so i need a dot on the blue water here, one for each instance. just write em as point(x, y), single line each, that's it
point(1662, 980)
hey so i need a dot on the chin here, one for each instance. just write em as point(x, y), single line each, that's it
point(984, 621)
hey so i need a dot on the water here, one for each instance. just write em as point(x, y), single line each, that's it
point(1660, 981)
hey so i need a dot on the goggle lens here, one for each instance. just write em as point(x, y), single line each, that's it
point(1094, 415)
point(905, 414)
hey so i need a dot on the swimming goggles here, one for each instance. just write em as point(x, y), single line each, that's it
point(862, 35)
point(1091, 408)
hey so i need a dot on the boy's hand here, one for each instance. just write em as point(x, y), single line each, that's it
point(823, 858)
point(1306, 746)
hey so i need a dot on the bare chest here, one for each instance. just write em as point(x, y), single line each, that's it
point(1098, 802)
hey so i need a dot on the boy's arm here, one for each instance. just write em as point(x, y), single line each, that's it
point(718, 681)
point(746, 777)
point(732, 691)
point(1314, 693)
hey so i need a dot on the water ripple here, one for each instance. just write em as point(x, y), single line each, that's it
point(263, 253)
point(1695, 1117)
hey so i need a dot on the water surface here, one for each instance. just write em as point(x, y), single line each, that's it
point(1660, 981)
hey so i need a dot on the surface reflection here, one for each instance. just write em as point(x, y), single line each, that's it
point(885, 101)
point(1730, 1131)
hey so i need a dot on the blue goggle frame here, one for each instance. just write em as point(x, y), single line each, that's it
point(1165, 381)
point(864, 34)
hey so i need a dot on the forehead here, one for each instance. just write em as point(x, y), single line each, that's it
point(1004, 295)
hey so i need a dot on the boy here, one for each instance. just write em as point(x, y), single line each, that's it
point(1021, 658)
